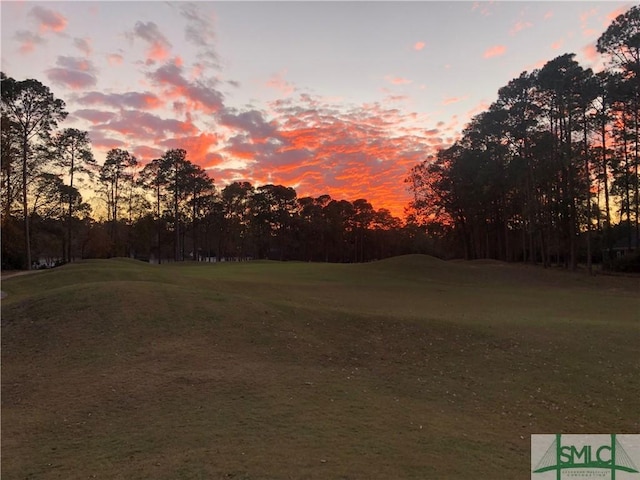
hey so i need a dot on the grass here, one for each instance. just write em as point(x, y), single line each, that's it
point(406, 368)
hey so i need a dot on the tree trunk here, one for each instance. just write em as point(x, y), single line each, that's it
point(25, 208)
point(588, 183)
point(627, 186)
point(176, 228)
point(636, 179)
point(605, 179)
point(8, 191)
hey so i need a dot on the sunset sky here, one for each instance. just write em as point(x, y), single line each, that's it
point(327, 97)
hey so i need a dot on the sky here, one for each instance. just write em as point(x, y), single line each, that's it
point(338, 98)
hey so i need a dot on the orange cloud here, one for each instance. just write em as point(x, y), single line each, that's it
point(320, 148)
point(419, 46)
point(612, 15)
point(157, 52)
point(537, 65)
point(199, 147)
point(495, 51)
point(591, 53)
point(315, 144)
point(557, 45)
point(397, 80)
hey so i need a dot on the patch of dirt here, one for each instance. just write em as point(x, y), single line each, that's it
point(15, 273)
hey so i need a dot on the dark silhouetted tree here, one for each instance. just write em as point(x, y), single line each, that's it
point(33, 113)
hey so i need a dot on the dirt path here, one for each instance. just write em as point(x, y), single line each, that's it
point(6, 275)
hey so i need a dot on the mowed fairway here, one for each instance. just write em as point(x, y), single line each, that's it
point(408, 368)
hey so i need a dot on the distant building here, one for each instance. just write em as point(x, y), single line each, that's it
point(623, 247)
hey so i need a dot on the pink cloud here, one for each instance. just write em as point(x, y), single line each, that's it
point(483, 7)
point(537, 65)
point(584, 19)
point(48, 20)
point(396, 98)
point(72, 72)
point(94, 116)
point(251, 121)
point(137, 100)
point(101, 142)
point(548, 15)
point(159, 46)
point(397, 80)
point(481, 107)
point(495, 51)
point(28, 41)
point(584, 16)
point(198, 95)
point(84, 45)
point(145, 154)
point(419, 46)
point(115, 59)
point(612, 15)
point(72, 79)
point(519, 26)
point(591, 53)
point(278, 82)
point(200, 32)
point(144, 126)
point(557, 45)
point(451, 100)
point(75, 63)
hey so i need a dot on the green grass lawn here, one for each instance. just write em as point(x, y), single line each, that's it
point(406, 368)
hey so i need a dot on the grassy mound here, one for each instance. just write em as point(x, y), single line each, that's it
point(410, 262)
point(487, 261)
point(405, 368)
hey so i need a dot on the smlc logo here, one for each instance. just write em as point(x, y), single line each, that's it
point(585, 456)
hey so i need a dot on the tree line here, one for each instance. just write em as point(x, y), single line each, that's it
point(166, 210)
point(549, 172)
